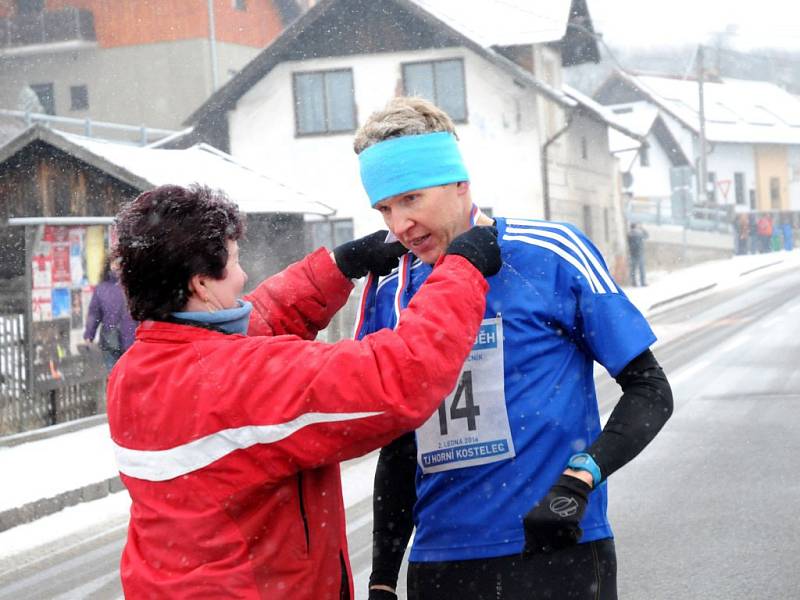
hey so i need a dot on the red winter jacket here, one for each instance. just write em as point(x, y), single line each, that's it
point(229, 445)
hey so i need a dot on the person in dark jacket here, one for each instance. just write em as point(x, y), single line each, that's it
point(109, 309)
point(636, 237)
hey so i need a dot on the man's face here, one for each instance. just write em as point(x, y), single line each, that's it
point(426, 220)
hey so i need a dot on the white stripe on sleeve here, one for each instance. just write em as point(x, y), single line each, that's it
point(558, 250)
point(161, 465)
point(598, 267)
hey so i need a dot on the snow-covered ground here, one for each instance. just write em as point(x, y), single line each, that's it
point(48, 467)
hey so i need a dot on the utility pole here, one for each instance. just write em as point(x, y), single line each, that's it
point(212, 45)
point(702, 174)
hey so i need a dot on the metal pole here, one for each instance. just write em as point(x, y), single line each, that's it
point(703, 170)
point(212, 44)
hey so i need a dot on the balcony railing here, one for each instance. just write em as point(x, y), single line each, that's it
point(47, 27)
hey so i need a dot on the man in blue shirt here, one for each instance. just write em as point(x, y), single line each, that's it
point(507, 479)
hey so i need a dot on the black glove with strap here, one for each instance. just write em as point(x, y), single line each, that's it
point(479, 246)
point(553, 524)
point(369, 253)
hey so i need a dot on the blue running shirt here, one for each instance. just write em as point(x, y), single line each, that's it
point(526, 399)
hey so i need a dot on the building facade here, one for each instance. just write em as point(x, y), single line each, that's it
point(141, 62)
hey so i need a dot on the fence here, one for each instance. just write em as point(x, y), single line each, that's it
point(58, 391)
point(661, 211)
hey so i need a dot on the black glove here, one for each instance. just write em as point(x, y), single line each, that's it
point(381, 595)
point(553, 523)
point(479, 246)
point(369, 253)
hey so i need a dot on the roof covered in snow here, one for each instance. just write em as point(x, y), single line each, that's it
point(736, 110)
point(483, 26)
point(145, 168)
point(503, 22)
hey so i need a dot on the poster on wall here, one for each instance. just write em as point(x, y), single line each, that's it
point(42, 305)
point(62, 304)
point(76, 237)
point(76, 312)
point(61, 257)
point(67, 263)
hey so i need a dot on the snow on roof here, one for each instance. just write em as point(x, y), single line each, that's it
point(503, 22)
point(602, 112)
point(253, 191)
point(736, 110)
point(637, 117)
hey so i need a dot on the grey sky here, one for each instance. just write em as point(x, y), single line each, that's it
point(647, 22)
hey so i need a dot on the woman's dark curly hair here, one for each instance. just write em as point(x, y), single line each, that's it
point(165, 237)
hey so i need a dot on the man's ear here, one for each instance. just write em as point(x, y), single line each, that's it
point(462, 187)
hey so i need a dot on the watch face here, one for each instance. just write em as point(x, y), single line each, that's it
point(579, 460)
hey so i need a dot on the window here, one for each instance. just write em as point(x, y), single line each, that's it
point(240, 5)
point(775, 192)
point(330, 233)
point(644, 156)
point(29, 7)
point(738, 184)
point(441, 82)
point(324, 102)
point(79, 97)
point(584, 148)
point(46, 96)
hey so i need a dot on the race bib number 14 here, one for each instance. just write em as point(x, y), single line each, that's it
point(471, 426)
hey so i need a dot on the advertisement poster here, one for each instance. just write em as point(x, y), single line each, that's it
point(61, 257)
point(76, 312)
point(62, 304)
point(77, 272)
point(42, 272)
point(42, 305)
point(95, 251)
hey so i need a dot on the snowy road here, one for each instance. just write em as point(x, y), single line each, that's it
point(706, 512)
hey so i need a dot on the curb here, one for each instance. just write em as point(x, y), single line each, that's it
point(47, 506)
point(48, 432)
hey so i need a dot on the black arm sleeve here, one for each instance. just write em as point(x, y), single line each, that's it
point(643, 409)
point(392, 508)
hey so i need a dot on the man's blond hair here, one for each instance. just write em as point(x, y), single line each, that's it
point(402, 116)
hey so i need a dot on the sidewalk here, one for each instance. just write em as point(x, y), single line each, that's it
point(50, 469)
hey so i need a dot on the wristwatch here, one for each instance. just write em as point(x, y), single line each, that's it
point(585, 462)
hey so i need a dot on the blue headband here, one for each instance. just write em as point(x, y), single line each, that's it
point(410, 162)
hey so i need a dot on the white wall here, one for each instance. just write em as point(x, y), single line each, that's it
point(500, 142)
point(156, 85)
point(727, 159)
point(652, 181)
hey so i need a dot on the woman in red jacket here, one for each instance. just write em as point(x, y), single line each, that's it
point(229, 420)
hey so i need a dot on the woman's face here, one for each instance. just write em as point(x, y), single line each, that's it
point(224, 293)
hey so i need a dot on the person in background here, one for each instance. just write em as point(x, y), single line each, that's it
point(108, 312)
point(228, 420)
point(636, 238)
point(506, 482)
point(764, 228)
point(742, 232)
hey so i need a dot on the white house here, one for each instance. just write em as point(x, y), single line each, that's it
point(752, 129)
point(494, 67)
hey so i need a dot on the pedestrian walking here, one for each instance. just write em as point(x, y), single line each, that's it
point(108, 312)
point(636, 238)
point(229, 421)
point(764, 228)
point(506, 482)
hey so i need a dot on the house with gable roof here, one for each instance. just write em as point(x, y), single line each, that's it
point(533, 149)
point(752, 130)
